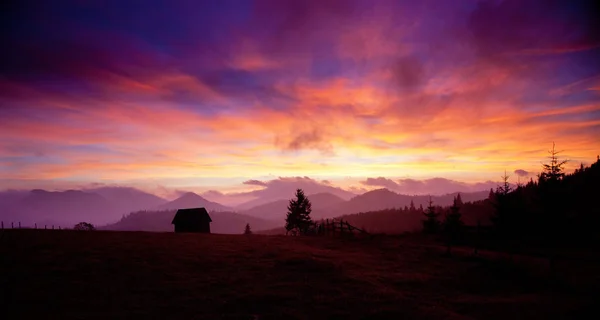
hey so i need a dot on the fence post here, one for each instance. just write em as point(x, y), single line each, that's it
point(44, 227)
point(19, 224)
point(35, 225)
point(12, 226)
point(52, 227)
point(2, 225)
point(58, 227)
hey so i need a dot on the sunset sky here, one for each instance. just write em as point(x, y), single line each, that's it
point(233, 95)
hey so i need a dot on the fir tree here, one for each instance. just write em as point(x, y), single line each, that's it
point(247, 230)
point(501, 218)
point(453, 223)
point(553, 171)
point(431, 223)
point(552, 195)
point(412, 206)
point(458, 200)
point(298, 219)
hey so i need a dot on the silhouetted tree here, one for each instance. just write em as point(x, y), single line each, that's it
point(502, 215)
point(412, 206)
point(247, 230)
point(552, 196)
point(431, 223)
point(491, 195)
point(84, 226)
point(453, 223)
point(298, 217)
point(458, 200)
point(553, 171)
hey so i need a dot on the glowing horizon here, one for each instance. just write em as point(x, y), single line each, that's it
point(206, 97)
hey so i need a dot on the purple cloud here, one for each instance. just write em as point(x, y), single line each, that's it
point(255, 183)
point(521, 173)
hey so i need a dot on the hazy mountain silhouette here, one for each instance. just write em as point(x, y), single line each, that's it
point(160, 221)
point(61, 208)
point(284, 188)
point(192, 200)
point(108, 204)
point(277, 210)
point(65, 208)
point(381, 199)
point(326, 205)
point(128, 199)
point(10, 197)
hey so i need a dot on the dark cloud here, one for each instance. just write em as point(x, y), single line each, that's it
point(521, 173)
point(255, 183)
point(314, 139)
point(501, 29)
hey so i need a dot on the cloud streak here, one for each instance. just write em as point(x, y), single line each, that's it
point(296, 88)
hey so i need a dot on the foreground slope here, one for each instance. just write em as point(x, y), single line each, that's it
point(70, 274)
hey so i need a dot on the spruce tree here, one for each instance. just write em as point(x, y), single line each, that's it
point(431, 223)
point(552, 195)
point(247, 230)
point(453, 223)
point(553, 171)
point(298, 217)
point(501, 218)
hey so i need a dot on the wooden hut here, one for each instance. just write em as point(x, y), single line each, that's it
point(192, 220)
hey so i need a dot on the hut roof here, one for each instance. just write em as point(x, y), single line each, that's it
point(191, 215)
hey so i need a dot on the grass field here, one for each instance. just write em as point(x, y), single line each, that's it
point(102, 274)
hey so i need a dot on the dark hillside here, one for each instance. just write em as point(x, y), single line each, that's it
point(102, 274)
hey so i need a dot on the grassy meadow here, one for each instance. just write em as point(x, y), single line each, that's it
point(104, 274)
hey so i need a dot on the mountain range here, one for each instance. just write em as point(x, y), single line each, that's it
point(192, 200)
point(111, 205)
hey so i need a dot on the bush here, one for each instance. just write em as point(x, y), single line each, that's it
point(86, 226)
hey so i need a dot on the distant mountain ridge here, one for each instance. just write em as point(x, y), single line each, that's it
point(98, 206)
point(276, 210)
point(192, 200)
point(107, 205)
point(326, 205)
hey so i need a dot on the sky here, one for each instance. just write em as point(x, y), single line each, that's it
point(213, 95)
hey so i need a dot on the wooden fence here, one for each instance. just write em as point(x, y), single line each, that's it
point(35, 226)
point(337, 227)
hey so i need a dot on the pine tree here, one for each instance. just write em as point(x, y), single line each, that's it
point(298, 217)
point(552, 195)
point(431, 223)
point(247, 230)
point(412, 206)
point(553, 171)
point(501, 218)
point(458, 200)
point(453, 223)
